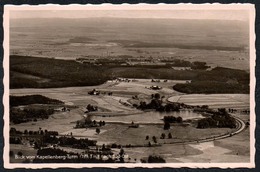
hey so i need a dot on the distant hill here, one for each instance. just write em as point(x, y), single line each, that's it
point(168, 30)
point(216, 42)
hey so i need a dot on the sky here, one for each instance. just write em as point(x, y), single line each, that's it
point(174, 14)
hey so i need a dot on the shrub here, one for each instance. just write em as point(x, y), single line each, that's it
point(156, 159)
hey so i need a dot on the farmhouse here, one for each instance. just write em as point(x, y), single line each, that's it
point(94, 92)
point(155, 87)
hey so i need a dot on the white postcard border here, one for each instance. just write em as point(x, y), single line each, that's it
point(215, 6)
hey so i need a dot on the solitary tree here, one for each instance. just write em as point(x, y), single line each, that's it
point(166, 125)
point(154, 139)
point(169, 135)
point(147, 138)
point(157, 96)
point(121, 155)
point(97, 130)
point(163, 136)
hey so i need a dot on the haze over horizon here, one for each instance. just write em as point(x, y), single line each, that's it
point(241, 15)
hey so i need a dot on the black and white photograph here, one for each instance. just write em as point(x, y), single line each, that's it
point(129, 85)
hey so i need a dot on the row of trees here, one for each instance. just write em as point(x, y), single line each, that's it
point(154, 139)
point(13, 131)
point(172, 119)
point(89, 123)
point(68, 141)
point(163, 136)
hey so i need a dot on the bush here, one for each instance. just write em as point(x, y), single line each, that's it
point(169, 135)
point(162, 136)
point(156, 159)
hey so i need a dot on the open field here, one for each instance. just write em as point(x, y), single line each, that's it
point(238, 101)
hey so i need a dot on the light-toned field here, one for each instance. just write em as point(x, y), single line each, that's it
point(123, 135)
point(147, 117)
point(238, 101)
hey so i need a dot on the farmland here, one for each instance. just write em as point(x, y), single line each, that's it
point(118, 117)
